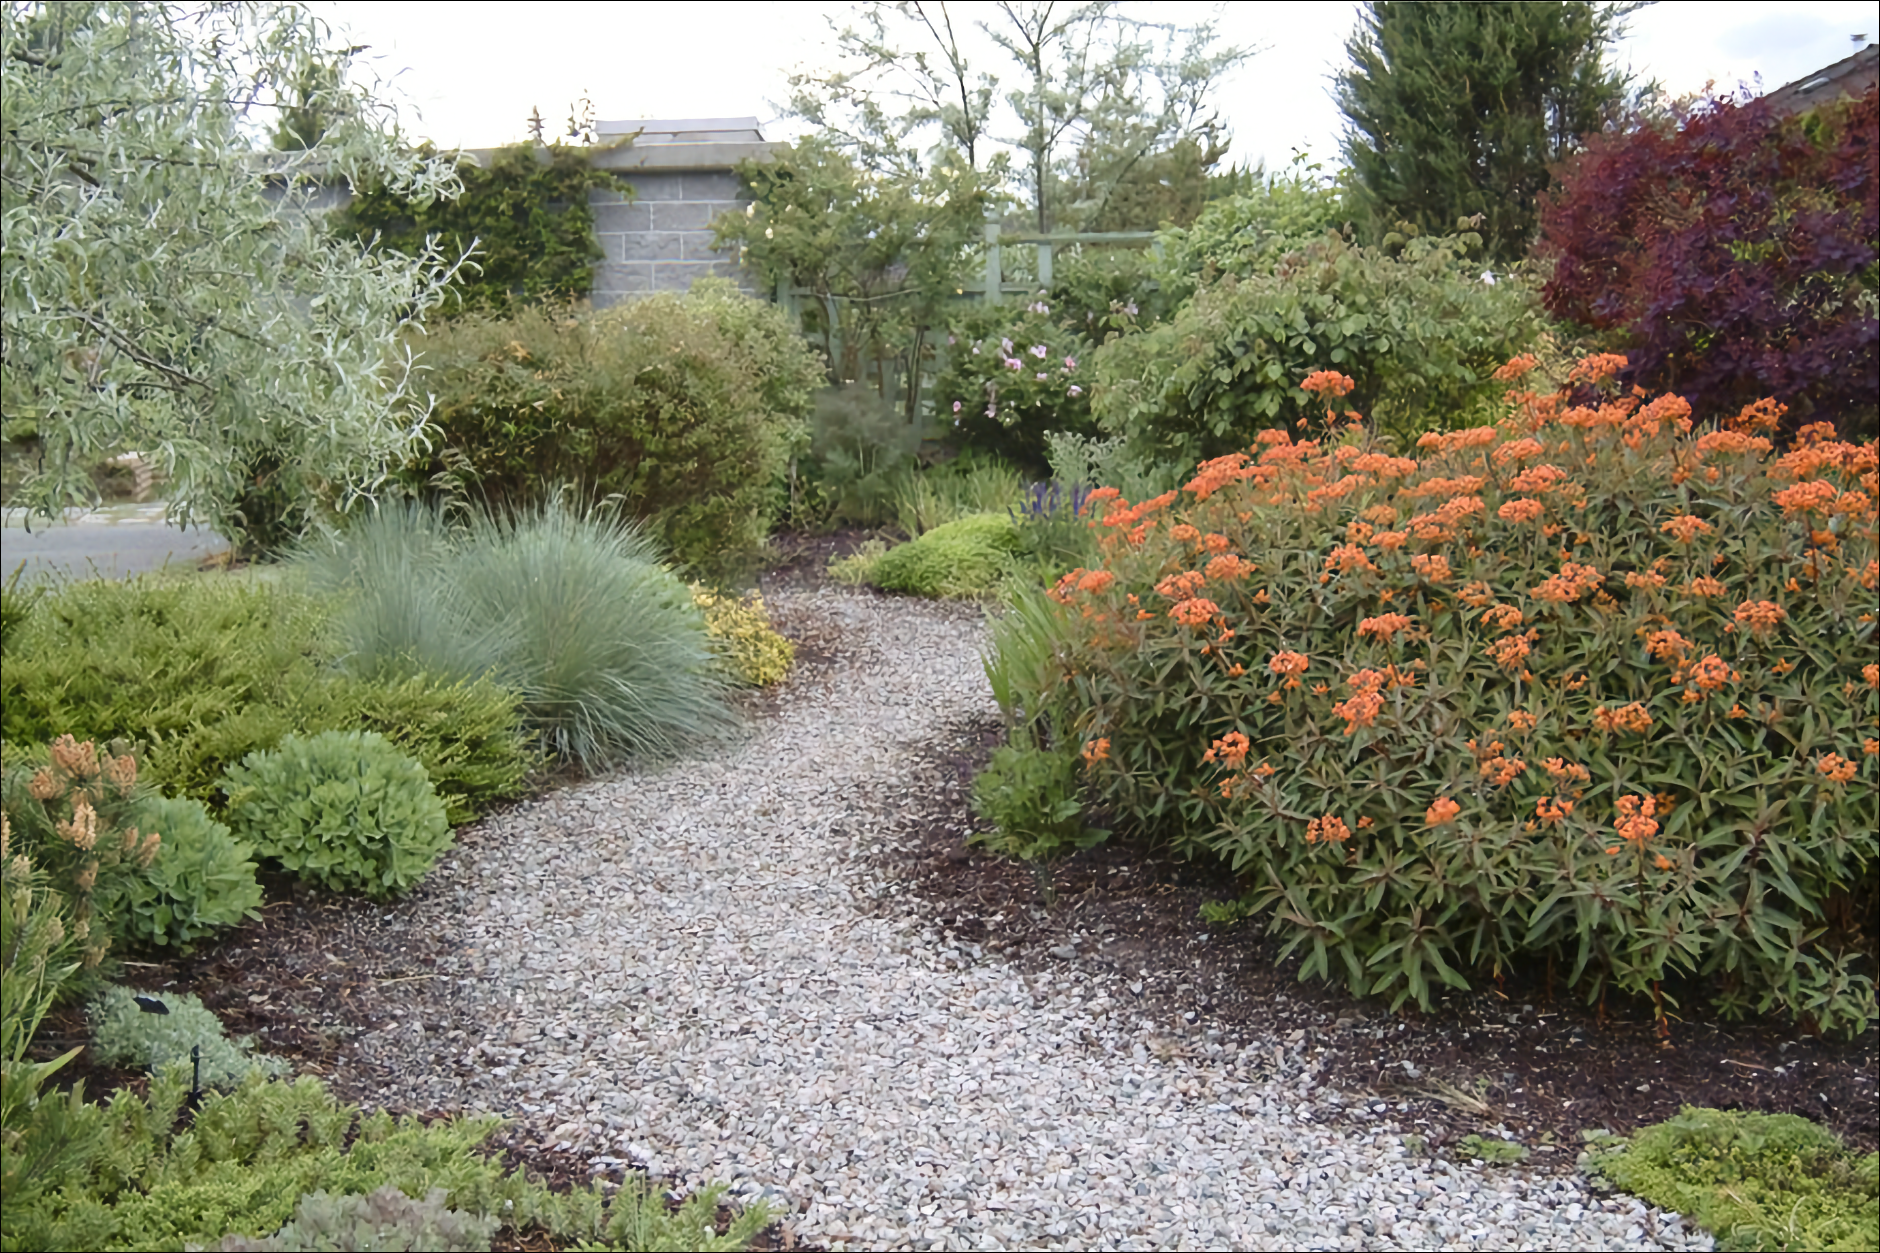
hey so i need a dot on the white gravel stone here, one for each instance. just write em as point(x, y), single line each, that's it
point(688, 967)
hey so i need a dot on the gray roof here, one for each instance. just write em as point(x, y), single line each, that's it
point(685, 130)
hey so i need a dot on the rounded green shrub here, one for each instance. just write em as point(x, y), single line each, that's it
point(682, 406)
point(342, 809)
point(965, 557)
point(201, 880)
point(1585, 684)
point(1414, 327)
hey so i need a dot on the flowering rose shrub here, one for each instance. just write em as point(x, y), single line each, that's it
point(1010, 379)
point(1585, 683)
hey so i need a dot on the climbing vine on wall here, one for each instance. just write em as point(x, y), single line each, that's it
point(526, 205)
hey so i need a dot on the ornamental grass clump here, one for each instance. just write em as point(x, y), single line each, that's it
point(1586, 683)
point(572, 611)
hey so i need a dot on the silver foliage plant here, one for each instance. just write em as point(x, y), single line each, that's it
point(165, 285)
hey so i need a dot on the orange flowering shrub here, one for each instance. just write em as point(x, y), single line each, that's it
point(1677, 626)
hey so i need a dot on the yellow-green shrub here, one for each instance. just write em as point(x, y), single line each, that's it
point(1584, 683)
point(742, 637)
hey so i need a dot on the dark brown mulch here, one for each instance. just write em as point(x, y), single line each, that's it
point(1522, 1055)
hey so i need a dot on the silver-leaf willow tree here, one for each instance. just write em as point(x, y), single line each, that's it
point(165, 284)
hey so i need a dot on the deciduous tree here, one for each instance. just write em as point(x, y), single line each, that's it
point(165, 283)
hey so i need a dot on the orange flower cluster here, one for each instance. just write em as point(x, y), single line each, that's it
point(1553, 810)
point(1327, 383)
point(1760, 415)
point(1212, 476)
point(1440, 442)
point(1182, 586)
point(1760, 616)
point(1497, 769)
point(1730, 442)
point(1666, 645)
point(1813, 495)
point(1871, 673)
point(1538, 479)
point(1385, 625)
point(1391, 541)
point(1518, 450)
point(1476, 594)
point(1441, 812)
point(1685, 528)
point(1096, 750)
point(1638, 579)
point(1215, 542)
point(1596, 368)
point(1630, 717)
point(1565, 770)
point(1327, 830)
point(1704, 585)
point(1432, 566)
point(1635, 823)
point(1383, 465)
point(1228, 567)
point(1181, 532)
point(1523, 721)
point(1573, 582)
point(1466, 485)
point(1288, 663)
point(1230, 750)
point(1516, 368)
point(1502, 617)
point(1712, 673)
point(1837, 768)
point(1522, 509)
point(1348, 557)
point(1511, 651)
point(1361, 708)
point(1195, 612)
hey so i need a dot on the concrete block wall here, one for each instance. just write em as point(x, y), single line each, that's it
point(661, 240)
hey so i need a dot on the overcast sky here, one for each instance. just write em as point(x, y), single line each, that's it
point(469, 74)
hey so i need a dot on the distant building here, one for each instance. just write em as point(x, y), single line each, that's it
point(1854, 76)
point(681, 171)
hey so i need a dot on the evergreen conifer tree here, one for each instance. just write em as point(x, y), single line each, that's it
point(1458, 109)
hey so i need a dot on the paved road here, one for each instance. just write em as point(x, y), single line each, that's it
point(109, 543)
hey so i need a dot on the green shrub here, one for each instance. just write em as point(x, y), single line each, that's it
point(858, 449)
point(1248, 234)
point(387, 1220)
point(962, 558)
point(154, 662)
point(43, 1137)
point(742, 638)
point(1755, 1181)
point(201, 881)
point(1029, 793)
point(71, 811)
point(1580, 685)
point(151, 1176)
point(608, 654)
point(1010, 376)
point(468, 734)
point(663, 402)
point(343, 809)
point(173, 1038)
point(1415, 327)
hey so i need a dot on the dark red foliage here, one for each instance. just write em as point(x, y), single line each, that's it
point(1736, 251)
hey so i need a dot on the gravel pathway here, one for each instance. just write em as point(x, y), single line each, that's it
point(691, 969)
